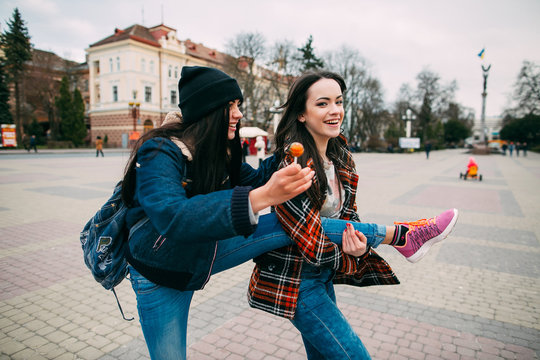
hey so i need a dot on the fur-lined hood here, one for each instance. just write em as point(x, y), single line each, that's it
point(176, 117)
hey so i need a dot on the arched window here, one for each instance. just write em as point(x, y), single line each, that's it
point(176, 72)
point(170, 70)
point(118, 63)
point(151, 66)
point(143, 65)
point(148, 125)
point(110, 65)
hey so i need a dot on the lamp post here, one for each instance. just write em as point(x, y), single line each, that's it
point(485, 73)
point(134, 111)
point(408, 117)
point(276, 111)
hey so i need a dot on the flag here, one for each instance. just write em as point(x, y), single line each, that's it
point(481, 53)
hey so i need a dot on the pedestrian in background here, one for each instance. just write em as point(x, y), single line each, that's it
point(427, 148)
point(99, 146)
point(33, 143)
point(260, 145)
point(245, 149)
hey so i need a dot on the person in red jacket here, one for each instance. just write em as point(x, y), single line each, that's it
point(472, 166)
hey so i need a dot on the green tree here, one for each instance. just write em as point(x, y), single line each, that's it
point(308, 58)
point(5, 113)
point(17, 50)
point(71, 113)
point(78, 128)
point(35, 129)
point(395, 130)
point(455, 131)
point(524, 129)
point(64, 104)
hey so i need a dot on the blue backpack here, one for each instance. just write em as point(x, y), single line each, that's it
point(104, 242)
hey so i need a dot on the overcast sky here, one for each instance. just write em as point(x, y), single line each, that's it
point(398, 38)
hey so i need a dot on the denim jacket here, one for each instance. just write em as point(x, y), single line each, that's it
point(173, 237)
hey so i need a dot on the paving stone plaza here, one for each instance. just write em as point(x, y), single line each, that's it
point(474, 296)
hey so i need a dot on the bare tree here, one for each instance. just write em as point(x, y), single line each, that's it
point(41, 87)
point(248, 50)
point(429, 102)
point(527, 90)
point(364, 103)
point(284, 67)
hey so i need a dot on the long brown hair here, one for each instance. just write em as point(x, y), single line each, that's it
point(214, 156)
point(290, 130)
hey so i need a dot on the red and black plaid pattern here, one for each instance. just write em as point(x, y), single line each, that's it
point(275, 279)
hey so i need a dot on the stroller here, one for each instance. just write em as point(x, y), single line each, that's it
point(472, 171)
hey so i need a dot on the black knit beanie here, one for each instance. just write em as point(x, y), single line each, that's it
point(202, 90)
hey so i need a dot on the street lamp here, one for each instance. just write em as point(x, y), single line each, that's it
point(276, 111)
point(408, 117)
point(485, 73)
point(134, 111)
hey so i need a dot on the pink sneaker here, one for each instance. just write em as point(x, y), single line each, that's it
point(426, 232)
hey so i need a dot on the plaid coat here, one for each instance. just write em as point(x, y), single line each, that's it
point(275, 280)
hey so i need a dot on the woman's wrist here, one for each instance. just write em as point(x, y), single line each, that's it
point(259, 199)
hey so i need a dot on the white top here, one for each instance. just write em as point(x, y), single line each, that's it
point(333, 202)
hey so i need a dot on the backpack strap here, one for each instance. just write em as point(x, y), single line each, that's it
point(120, 307)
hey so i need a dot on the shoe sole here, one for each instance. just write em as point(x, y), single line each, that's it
point(417, 256)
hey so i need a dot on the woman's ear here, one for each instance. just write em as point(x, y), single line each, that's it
point(301, 118)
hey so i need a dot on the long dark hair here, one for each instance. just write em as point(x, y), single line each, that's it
point(214, 155)
point(290, 130)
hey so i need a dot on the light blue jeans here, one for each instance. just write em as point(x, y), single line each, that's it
point(163, 312)
point(326, 333)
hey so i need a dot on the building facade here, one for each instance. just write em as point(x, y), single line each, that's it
point(493, 126)
point(133, 79)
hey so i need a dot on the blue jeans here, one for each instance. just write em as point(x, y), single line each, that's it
point(163, 312)
point(325, 331)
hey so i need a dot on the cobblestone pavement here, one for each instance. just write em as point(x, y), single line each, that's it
point(474, 296)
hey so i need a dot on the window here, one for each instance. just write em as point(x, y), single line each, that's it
point(176, 72)
point(110, 65)
point(115, 93)
point(143, 65)
point(117, 63)
point(151, 66)
point(173, 97)
point(97, 94)
point(96, 67)
point(148, 94)
point(170, 71)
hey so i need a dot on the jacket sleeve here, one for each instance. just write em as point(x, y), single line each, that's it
point(302, 222)
point(258, 177)
point(160, 192)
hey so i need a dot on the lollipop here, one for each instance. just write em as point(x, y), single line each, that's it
point(296, 149)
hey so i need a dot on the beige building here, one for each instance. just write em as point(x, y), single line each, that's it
point(493, 125)
point(133, 79)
